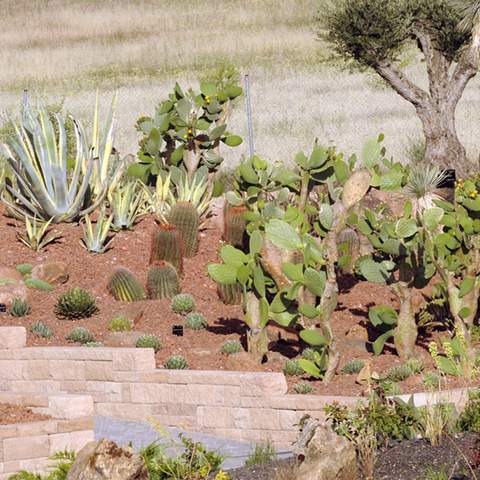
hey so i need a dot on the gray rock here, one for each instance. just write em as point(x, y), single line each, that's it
point(54, 273)
point(105, 460)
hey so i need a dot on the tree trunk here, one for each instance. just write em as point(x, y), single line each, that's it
point(257, 339)
point(405, 335)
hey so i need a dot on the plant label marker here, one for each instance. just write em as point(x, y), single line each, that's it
point(177, 330)
point(3, 308)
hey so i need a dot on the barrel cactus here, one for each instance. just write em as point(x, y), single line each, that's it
point(124, 286)
point(162, 281)
point(185, 217)
point(183, 303)
point(230, 294)
point(195, 321)
point(167, 245)
point(234, 225)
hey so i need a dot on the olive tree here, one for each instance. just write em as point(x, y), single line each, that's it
point(374, 33)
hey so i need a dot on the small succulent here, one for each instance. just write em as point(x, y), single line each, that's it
point(120, 324)
point(183, 303)
point(353, 367)
point(415, 365)
point(24, 268)
point(75, 303)
point(41, 330)
point(38, 284)
point(195, 321)
point(176, 362)
point(19, 308)
point(149, 341)
point(390, 388)
point(398, 373)
point(431, 380)
point(309, 354)
point(292, 368)
point(80, 335)
point(303, 388)
point(230, 347)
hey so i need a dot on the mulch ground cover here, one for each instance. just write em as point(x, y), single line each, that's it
point(11, 414)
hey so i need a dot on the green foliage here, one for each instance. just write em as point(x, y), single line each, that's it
point(24, 268)
point(167, 245)
point(230, 347)
point(36, 235)
point(38, 284)
point(390, 387)
point(431, 380)
point(183, 303)
point(292, 368)
point(120, 323)
point(195, 321)
point(124, 286)
point(353, 367)
point(19, 308)
point(129, 203)
point(95, 239)
point(149, 341)
point(58, 470)
point(302, 388)
point(74, 304)
point(398, 373)
point(162, 281)
point(309, 354)
point(41, 330)
point(176, 362)
point(469, 420)
point(437, 473)
point(80, 335)
point(185, 217)
point(262, 453)
point(415, 365)
point(94, 345)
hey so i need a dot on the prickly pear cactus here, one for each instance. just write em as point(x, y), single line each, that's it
point(162, 281)
point(185, 217)
point(230, 294)
point(348, 245)
point(167, 245)
point(124, 286)
point(234, 225)
point(356, 188)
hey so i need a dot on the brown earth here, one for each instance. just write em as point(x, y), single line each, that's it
point(10, 414)
point(201, 348)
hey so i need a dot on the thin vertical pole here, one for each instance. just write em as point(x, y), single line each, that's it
point(248, 102)
point(25, 99)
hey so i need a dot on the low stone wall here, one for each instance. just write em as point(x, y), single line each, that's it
point(27, 446)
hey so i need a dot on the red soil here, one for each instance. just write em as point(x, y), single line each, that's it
point(10, 414)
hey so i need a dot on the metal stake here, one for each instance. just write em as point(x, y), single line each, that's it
point(248, 102)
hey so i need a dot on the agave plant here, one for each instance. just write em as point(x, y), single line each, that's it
point(94, 238)
point(128, 203)
point(36, 234)
point(422, 187)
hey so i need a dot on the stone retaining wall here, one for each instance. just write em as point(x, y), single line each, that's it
point(27, 446)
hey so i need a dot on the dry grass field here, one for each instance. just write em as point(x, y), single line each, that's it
point(63, 50)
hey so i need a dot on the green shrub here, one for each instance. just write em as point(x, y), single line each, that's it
point(303, 388)
point(469, 420)
point(415, 365)
point(262, 453)
point(431, 380)
point(292, 368)
point(19, 308)
point(353, 367)
point(195, 321)
point(390, 388)
point(24, 268)
point(41, 330)
point(398, 373)
point(176, 362)
point(309, 354)
point(75, 303)
point(120, 324)
point(80, 335)
point(183, 303)
point(230, 347)
point(475, 333)
point(149, 341)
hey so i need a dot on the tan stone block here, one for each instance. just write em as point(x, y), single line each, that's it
point(267, 419)
point(36, 428)
point(74, 425)
point(35, 370)
point(216, 417)
point(96, 370)
point(263, 384)
point(67, 369)
point(36, 465)
point(73, 386)
point(71, 441)
point(13, 337)
point(124, 410)
point(24, 448)
point(28, 400)
point(70, 406)
point(8, 431)
point(133, 359)
point(38, 387)
point(11, 370)
point(177, 421)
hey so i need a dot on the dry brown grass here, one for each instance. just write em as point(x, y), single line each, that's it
point(65, 49)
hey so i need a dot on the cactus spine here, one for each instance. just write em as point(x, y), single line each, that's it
point(167, 245)
point(230, 294)
point(162, 281)
point(125, 287)
point(185, 217)
point(234, 225)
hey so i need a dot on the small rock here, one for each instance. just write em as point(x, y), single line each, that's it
point(54, 273)
point(357, 332)
point(105, 460)
point(240, 361)
point(122, 339)
point(203, 352)
point(11, 286)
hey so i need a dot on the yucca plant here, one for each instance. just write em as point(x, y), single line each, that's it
point(49, 185)
point(422, 186)
point(36, 235)
point(95, 239)
point(128, 203)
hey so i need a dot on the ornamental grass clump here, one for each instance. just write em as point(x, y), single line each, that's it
point(41, 330)
point(19, 308)
point(74, 304)
point(353, 367)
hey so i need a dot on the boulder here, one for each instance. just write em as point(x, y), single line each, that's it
point(11, 286)
point(105, 460)
point(54, 273)
point(323, 454)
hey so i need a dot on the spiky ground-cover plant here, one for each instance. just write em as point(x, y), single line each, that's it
point(80, 335)
point(230, 347)
point(195, 321)
point(149, 341)
point(95, 238)
point(176, 362)
point(129, 203)
point(19, 307)
point(183, 303)
point(41, 330)
point(37, 235)
point(74, 304)
point(120, 323)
